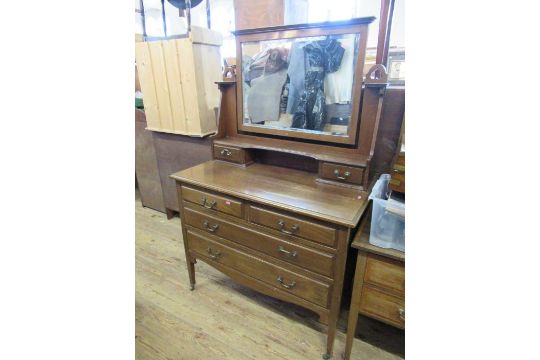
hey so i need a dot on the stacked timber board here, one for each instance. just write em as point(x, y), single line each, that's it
point(177, 80)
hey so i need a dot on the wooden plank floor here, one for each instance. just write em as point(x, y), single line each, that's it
point(221, 319)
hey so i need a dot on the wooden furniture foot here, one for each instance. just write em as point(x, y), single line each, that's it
point(191, 272)
point(170, 213)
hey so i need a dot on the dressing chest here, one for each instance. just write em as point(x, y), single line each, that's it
point(277, 207)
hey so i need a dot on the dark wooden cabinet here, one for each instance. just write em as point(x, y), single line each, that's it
point(146, 166)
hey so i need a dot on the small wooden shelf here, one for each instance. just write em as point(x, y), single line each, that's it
point(317, 152)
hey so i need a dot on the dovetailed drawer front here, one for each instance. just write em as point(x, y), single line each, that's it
point(210, 201)
point(388, 308)
point(296, 284)
point(229, 154)
point(385, 273)
point(342, 173)
point(302, 256)
point(293, 226)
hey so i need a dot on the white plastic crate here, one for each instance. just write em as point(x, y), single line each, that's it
point(387, 218)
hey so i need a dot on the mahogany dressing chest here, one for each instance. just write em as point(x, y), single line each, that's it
point(278, 205)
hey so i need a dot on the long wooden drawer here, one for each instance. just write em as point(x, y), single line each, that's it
point(293, 226)
point(301, 286)
point(305, 257)
point(385, 273)
point(382, 306)
point(211, 201)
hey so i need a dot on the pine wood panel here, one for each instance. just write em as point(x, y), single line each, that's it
point(146, 79)
point(177, 79)
point(176, 95)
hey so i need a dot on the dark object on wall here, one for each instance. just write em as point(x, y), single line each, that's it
point(175, 153)
point(146, 167)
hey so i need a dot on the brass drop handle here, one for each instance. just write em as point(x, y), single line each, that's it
point(211, 228)
point(288, 253)
point(402, 314)
point(286, 286)
point(294, 228)
point(226, 152)
point(344, 177)
point(213, 255)
point(211, 203)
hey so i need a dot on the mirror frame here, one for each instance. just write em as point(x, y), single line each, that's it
point(353, 26)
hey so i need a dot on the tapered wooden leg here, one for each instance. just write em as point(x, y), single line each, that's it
point(351, 330)
point(191, 272)
point(355, 303)
point(339, 273)
point(331, 337)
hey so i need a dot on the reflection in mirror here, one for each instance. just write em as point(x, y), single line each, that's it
point(302, 84)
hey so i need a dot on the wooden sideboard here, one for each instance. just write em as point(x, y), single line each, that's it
point(379, 284)
point(276, 230)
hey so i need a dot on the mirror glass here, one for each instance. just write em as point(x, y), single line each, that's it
point(300, 84)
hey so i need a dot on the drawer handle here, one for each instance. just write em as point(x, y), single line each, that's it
point(344, 177)
point(288, 253)
point(402, 314)
point(211, 228)
point(213, 255)
point(286, 286)
point(226, 152)
point(294, 228)
point(210, 205)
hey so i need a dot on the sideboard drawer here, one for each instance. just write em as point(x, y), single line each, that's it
point(387, 308)
point(385, 273)
point(210, 201)
point(301, 286)
point(302, 256)
point(293, 226)
point(342, 173)
point(230, 154)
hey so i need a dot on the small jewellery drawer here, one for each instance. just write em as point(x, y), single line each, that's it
point(230, 154)
point(385, 273)
point(384, 307)
point(342, 173)
point(302, 256)
point(210, 201)
point(293, 226)
point(296, 284)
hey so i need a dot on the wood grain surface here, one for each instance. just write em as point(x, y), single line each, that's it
point(283, 188)
point(223, 319)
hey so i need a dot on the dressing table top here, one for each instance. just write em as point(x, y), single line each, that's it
point(280, 187)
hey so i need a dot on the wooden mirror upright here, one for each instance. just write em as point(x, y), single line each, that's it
point(279, 203)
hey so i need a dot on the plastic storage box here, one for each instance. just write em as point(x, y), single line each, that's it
point(387, 218)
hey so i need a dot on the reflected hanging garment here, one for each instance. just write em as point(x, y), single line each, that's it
point(321, 57)
point(338, 85)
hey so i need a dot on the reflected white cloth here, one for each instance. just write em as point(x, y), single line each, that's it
point(264, 97)
point(338, 85)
